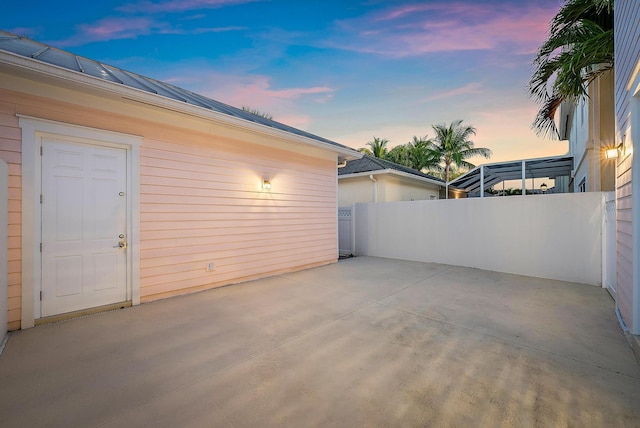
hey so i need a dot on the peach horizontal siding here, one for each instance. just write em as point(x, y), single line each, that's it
point(200, 199)
point(200, 204)
point(627, 44)
point(10, 152)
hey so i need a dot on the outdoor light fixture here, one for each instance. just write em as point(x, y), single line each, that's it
point(266, 185)
point(543, 187)
point(613, 152)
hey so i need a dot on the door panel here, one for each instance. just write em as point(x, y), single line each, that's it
point(83, 213)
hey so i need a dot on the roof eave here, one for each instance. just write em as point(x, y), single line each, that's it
point(133, 94)
point(392, 172)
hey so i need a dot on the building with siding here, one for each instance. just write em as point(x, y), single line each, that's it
point(627, 137)
point(371, 179)
point(589, 126)
point(123, 189)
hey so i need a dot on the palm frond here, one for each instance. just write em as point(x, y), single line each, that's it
point(378, 147)
point(578, 50)
point(544, 123)
point(478, 151)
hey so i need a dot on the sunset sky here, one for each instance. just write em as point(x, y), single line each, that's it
point(346, 70)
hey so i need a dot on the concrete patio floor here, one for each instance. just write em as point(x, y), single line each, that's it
point(364, 342)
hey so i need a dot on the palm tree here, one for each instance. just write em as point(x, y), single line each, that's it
point(415, 154)
point(579, 49)
point(420, 155)
point(451, 146)
point(400, 155)
point(377, 147)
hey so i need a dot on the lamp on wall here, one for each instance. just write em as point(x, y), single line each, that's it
point(266, 185)
point(543, 187)
point(613, 152)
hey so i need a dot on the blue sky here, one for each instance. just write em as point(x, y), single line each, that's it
point(346, 70)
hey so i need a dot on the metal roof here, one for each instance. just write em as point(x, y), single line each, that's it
point(512, 170)
point(40, 52)
point(370, 164)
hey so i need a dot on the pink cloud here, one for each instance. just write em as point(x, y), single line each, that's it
point(116, 28)
point(217, 29)
point(130, 28)
point(178, 5)
point(403, 10)
point(419, 29)
point(255, 91)
point(471, 88)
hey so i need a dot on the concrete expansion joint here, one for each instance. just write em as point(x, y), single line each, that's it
point(411, 285)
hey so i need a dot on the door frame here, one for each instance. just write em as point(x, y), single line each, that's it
point(33, 132)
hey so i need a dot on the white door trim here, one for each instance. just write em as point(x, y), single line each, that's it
point(33, 131)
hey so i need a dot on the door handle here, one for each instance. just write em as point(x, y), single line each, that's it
point(121, 244)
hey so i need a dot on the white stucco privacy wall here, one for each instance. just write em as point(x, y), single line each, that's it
point(552, 236)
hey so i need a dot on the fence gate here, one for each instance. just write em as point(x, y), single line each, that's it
point(346, 241)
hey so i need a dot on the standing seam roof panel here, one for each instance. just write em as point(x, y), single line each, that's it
point(69, 61)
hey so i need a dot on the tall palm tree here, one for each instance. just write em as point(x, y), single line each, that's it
point(377, 147)
point(451, 146)
point(579, 49)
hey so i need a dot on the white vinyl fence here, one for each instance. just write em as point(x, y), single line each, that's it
point(547, 236)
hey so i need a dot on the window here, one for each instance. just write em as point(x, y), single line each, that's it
point(582, 187)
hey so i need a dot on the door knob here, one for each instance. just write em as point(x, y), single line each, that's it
point(121, 244)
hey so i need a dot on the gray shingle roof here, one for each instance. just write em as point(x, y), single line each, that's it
point(47, 54)
point(370, 164)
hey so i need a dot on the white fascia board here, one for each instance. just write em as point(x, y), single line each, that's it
point(133, 94)
point(393, 172)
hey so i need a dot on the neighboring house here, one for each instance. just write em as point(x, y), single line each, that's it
point(371, 179)
point(123, 189)
point(627, 113)
point(589, 126)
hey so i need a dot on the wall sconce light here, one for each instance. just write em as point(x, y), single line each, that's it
point(613, 152)
point(266, 185)
point(543, 187)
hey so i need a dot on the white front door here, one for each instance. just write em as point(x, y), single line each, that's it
point(84, 212)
